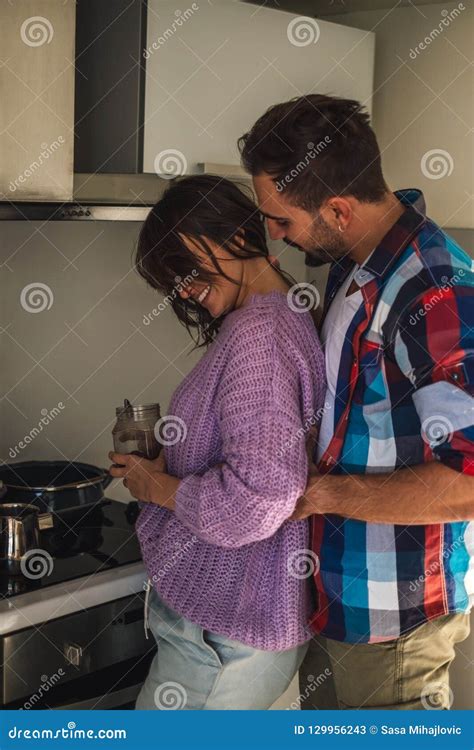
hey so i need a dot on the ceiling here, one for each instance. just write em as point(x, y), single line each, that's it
point(321, 8)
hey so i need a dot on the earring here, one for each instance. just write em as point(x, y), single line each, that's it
point(340, 228)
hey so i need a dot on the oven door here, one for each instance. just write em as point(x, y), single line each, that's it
point(96, 659)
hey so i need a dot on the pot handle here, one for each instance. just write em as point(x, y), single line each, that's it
point(45, 521)
point(107, 479)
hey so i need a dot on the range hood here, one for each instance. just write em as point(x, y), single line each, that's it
point(94, 169)
point(109, 197)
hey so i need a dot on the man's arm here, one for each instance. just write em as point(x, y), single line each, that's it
point(429, 493)
point(433, 346)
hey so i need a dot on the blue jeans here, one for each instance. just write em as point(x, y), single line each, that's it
point(195, 669)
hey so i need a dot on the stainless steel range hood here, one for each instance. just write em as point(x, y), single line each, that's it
point(96, 197)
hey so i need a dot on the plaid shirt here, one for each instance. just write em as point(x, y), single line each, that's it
point(404, 396)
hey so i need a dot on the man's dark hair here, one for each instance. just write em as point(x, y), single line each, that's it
point(316, 147)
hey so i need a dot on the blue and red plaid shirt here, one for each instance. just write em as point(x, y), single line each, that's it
point(404, 396)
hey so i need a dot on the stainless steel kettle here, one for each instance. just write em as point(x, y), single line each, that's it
point(20, 525)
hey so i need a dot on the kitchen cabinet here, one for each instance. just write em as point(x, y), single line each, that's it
point(213, 69)
point(37, 94)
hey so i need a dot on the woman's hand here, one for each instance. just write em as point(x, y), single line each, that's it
point(145, 480)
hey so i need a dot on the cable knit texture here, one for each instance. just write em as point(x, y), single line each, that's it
point(227, 558)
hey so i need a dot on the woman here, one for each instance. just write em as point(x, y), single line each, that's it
point(229, 602)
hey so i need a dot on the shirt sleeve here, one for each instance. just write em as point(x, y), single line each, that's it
point(263, 471)
point(434, 348)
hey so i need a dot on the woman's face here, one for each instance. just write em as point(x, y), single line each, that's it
point(221, 295)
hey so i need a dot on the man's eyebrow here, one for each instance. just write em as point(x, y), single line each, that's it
point(270, 216)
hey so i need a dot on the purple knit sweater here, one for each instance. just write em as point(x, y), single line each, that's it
point(227, 558)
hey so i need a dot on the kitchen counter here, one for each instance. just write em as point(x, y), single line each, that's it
point(35, 607)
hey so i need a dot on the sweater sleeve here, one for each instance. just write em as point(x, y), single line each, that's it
point(263, 470)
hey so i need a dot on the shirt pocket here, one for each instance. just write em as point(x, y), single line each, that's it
point(373, 385)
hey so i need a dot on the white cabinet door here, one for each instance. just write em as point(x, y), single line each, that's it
point(213, 69)
point(37, 100)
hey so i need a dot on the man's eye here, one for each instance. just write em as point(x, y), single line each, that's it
point(282, 222)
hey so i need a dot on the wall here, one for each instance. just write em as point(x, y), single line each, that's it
point(423, 102)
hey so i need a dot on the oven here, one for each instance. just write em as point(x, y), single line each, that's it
point(96, 658)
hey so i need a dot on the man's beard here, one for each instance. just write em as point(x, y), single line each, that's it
point(326, 244)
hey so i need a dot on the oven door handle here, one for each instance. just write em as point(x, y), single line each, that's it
point(103, 702)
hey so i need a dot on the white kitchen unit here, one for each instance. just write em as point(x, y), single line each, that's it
point(37, 89)
point(213, 69)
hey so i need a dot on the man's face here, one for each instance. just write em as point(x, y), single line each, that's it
point(315, 234)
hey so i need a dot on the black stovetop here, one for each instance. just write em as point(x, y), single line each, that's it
point(82, 542)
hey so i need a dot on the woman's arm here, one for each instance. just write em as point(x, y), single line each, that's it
point(263, 465)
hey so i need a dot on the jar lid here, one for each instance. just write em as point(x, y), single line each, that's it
point(139, 410)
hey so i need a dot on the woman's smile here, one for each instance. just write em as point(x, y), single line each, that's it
point(204, 294)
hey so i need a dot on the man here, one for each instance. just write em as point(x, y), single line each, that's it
point(393, 494)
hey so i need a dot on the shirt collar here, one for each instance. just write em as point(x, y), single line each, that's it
point(394, 242)
point(397, 238)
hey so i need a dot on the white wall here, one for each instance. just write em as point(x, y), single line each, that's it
point(425, 103)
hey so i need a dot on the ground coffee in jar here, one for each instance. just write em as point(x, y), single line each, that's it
point(134, 430)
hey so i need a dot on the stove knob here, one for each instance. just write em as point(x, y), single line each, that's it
point(73, 654)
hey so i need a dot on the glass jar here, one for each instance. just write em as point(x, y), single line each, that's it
point(134, 430)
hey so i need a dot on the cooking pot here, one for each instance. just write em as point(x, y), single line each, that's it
point(20, 525)
point(54, 485)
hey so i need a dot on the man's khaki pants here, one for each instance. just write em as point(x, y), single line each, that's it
point(410, 672)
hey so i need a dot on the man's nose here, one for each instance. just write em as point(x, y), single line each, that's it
point(275, 231)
